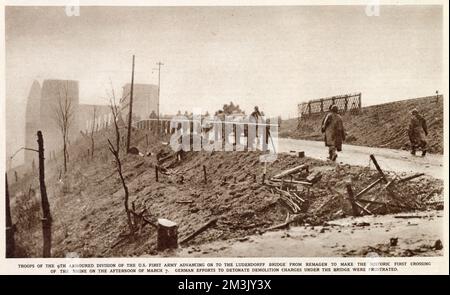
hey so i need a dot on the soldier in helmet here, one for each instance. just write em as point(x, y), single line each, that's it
point(417, 132)
point(334, 132)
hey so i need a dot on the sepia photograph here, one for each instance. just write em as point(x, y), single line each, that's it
point(226, 131)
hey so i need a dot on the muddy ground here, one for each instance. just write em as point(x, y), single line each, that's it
point(89, 219)
point(392, 235)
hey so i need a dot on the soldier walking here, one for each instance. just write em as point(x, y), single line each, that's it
point(417, 133)
point(334, 132)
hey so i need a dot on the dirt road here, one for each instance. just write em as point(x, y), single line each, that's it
point(389, 159)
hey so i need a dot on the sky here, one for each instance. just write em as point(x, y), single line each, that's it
point(273, 57)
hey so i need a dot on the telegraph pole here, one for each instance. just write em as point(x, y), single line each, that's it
point(159, 64)
point(130, 111)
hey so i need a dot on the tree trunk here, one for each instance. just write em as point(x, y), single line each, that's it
point(46, 219)
point(10, 244)
point(125, 188)
point(92, 146)
point(65, 155)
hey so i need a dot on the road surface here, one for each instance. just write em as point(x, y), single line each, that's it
point(389, 159)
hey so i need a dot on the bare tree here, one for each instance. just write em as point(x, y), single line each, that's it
point(92, 132)
point(63, 115)
point(115, 150)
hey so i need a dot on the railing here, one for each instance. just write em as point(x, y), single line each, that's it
point(345, 103)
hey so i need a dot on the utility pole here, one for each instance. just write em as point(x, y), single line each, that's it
point(130, 111)
point(10, 244)
point(159, 64)
point(46, 217)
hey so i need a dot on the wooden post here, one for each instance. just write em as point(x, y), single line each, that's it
point(167, 234)
point(46, 217)
point(355, 210)
point(204, 174)
point(372, 157)
point(264, 172)
point(130, 106)
point(10, 244)
point(156, 172)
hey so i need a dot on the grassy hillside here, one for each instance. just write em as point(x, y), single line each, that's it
point(383, 125)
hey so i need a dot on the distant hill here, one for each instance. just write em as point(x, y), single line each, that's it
point(383, 125)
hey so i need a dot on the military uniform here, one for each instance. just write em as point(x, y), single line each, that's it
point(334, 134)
point(417, 133)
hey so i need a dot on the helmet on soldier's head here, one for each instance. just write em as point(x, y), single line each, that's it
point(334, 108)
point(414, 111)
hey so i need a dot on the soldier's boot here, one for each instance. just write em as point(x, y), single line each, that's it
point(413, 152)
point(333, 154)
point(334, 157)
point(424, 152)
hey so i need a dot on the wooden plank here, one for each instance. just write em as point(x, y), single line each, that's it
point(363, 208)
point(410, 177)
point(314, 177)
point(200, 230)
point(370, 186)
point(372, 157)
point(292, 181)
point(290, 171)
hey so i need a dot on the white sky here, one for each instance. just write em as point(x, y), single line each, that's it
point(273, 57)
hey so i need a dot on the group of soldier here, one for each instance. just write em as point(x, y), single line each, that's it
point(334, 132)
point(226, 129)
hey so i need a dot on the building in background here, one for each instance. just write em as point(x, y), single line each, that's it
point(145, 101)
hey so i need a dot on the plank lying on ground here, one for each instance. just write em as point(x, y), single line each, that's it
point(407, 216)
point(410, 177)
point(200, 230)
point(363, 208)
point(284, 224)
point(291, 171)
point(314, 177)
point(292, 181)
point(185, 202)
